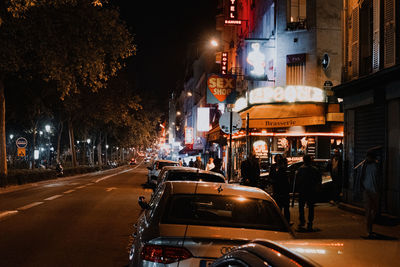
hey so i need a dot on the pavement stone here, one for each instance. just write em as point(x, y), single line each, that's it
point(332, 222)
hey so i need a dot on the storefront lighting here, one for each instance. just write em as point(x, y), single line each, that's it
point(240, 104)
point(289, 94)
point(240, 135)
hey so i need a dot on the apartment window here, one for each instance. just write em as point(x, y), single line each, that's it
point(295, 69)
point(296, 14)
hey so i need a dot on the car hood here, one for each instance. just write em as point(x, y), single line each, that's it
point(347, 252)
point(209, 241)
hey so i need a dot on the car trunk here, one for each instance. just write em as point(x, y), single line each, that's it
point(212, 242)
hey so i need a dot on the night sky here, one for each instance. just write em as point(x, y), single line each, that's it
point(164, 31)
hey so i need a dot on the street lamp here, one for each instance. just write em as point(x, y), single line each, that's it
point(47, 128)
point(178, 113)
point(11, 136)
point(214, 43)
point(88, 141)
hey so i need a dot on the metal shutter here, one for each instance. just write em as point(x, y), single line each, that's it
point(369, 130)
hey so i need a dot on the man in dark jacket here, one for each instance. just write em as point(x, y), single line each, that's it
point(308, 181)
point(335, 168)
point(217, 166)
point(280, 183)
point(250, 170)
point(198, 163)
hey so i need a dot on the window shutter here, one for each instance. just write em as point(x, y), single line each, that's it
point(389, 33)
point(376, 35)
point(355, 47)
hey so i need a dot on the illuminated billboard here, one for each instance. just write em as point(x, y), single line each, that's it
point(256, 68)
point(221, 89)
point(203, 119)
point(232, 14)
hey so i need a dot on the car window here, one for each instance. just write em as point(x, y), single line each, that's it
point(194, 176)
point(155, 198)
point(160, 165)
point(223, 211)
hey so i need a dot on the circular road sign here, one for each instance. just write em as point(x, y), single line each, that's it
point(224, 122)
point(21, 142)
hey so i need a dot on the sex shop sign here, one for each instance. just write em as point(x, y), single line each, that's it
point(221, 89)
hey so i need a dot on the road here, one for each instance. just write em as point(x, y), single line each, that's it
point(78, 221)
point(88, 220)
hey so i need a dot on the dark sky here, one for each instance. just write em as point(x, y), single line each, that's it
point(164, 30)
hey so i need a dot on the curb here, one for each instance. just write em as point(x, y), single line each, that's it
point(361, 211)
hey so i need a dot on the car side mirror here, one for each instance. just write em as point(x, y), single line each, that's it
point(143, 203)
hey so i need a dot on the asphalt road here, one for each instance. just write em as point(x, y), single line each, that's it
point(78, 221)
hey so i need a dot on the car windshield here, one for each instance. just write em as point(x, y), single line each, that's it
point(223, 211)
point(160, 165)
point(194, 176)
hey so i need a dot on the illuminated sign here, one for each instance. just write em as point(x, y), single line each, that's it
point(203, 119)
point(224, 63)
point(260, 149)
point(256, 69)
point(188, 135)
point(240, 104)
point(221, 89)
point(232, 18)
point(290, 94)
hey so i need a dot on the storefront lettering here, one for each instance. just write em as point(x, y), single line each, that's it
point(288, 94)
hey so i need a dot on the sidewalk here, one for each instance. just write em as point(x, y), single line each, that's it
point(336, 223)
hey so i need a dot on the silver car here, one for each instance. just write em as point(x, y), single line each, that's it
point(155, 168)
point(171, 173)
point(194, 223)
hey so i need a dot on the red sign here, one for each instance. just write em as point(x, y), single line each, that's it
point(221, 86)
point(224, 63)
point(232, 18)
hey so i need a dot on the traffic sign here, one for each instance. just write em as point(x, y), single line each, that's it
point(21, 142)
point(21, 152)
point(224, 122)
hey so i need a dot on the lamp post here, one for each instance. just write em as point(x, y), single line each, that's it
point(47, 129)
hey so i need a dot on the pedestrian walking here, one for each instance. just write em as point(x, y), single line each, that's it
point(369, 175)
point(218, 166)
point(308, 180)
point(191, 163)
point(198, 163)
point(335, 169)
point(210, 165)
point(250, 169)
point(180, 162)
point(280, 184)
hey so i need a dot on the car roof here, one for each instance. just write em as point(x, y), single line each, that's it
point(166, 161)
point(192, 187)
point(189, 169)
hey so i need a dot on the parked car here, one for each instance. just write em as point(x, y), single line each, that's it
point(310, 253)
point(155, 168)
point(194, 223)
point(173, 173)
point(132, 161)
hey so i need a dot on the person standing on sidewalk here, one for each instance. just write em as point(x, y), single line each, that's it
point(335, 168)
point(198, 163)
point(210, 165)
point(250, 170)
point(369, 178)
point(280, 184)
point(308, 180)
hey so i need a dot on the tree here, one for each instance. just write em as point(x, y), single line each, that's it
point(70, 44)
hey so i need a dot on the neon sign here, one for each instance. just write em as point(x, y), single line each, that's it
point(232, 14)
point(288, 94)
point(224, 63)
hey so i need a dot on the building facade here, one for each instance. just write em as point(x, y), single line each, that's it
point(286, 56)
point(371, 95)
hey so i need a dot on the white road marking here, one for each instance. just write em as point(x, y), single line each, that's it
point(7, 213)
point(110, 189)
point(53, 197)
point(34, 204)
point(69, 191)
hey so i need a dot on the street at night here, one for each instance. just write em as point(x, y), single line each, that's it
point(212, 133)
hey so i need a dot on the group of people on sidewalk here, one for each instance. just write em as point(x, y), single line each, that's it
point(212, 165)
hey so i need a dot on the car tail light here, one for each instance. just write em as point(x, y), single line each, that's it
point(165, 254)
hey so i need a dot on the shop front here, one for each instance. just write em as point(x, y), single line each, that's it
point(292, 121)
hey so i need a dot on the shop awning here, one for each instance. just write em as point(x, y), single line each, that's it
point(284, 115)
